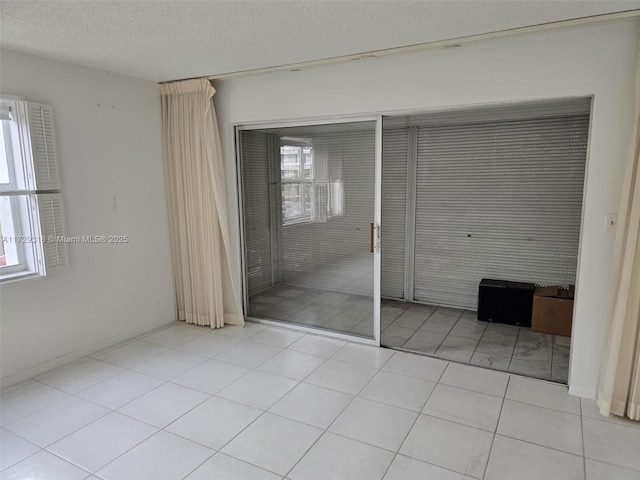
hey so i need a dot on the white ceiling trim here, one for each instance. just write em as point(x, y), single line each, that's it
point(449, 43)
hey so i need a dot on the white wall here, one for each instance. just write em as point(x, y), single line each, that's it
point(594, 60)
point(109, 144)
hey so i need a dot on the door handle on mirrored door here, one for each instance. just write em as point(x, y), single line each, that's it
point(371, 229)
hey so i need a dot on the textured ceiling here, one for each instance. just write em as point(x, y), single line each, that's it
point(166, 40)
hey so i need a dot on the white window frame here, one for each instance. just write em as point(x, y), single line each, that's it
point(26, 234)
point(302, 183)
point(333, 188)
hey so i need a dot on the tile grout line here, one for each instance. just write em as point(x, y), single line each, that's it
point(326, 430)
point(215, 451)
point(612, 422)
point(422, 325)
point(548, 377)
point(205, 359)
point(256, 419)
point(404, 440)
point(159, 429)
point(419, 412)
point(207, 393)
point(493, 438)
point(478, 344)
point(40, 409)
point(584, 456)
point(6, 467)
point(446, 335)
point(109, 410)
point(466, 389)
point(543, 446)
point(514, 350)
point(433, 356)
point(93, 472)
point(543, 407)
point(379, 369)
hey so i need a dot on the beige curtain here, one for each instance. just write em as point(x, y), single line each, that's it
point(197, 200)
point(619, 382)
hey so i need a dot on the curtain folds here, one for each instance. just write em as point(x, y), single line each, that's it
point(197, 200)
point(619, 381)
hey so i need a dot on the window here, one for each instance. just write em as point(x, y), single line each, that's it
point(306, 195)
point(31, 227)
point(296, 173)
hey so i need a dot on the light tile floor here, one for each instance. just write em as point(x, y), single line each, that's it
point(261, 403)
point(447, 333)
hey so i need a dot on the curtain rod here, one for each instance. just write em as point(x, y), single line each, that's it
point(448, 43)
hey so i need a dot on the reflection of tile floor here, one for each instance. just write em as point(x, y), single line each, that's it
point(314, 307)
point(351, 274)
point(456, 334)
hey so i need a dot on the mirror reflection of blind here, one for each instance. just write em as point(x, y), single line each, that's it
point(343, 190)
point(308, 201)
point(260, 160)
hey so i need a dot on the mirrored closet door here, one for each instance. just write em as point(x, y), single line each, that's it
point(310, 236)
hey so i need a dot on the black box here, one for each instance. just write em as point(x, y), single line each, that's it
point(491, 299)
point(518, 303)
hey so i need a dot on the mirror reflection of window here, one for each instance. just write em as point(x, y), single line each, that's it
point(305, 198)
point(296, 175)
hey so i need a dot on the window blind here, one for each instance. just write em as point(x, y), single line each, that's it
point(43, 149)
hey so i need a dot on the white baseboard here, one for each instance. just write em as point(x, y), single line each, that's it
point(582, 392)
point(41, 368)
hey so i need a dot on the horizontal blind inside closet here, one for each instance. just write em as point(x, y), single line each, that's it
point(394, 200)
point(499, 199)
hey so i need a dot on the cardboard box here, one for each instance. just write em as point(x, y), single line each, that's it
point(552, 310)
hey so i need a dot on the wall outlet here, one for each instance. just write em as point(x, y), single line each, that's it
point(610, 221)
